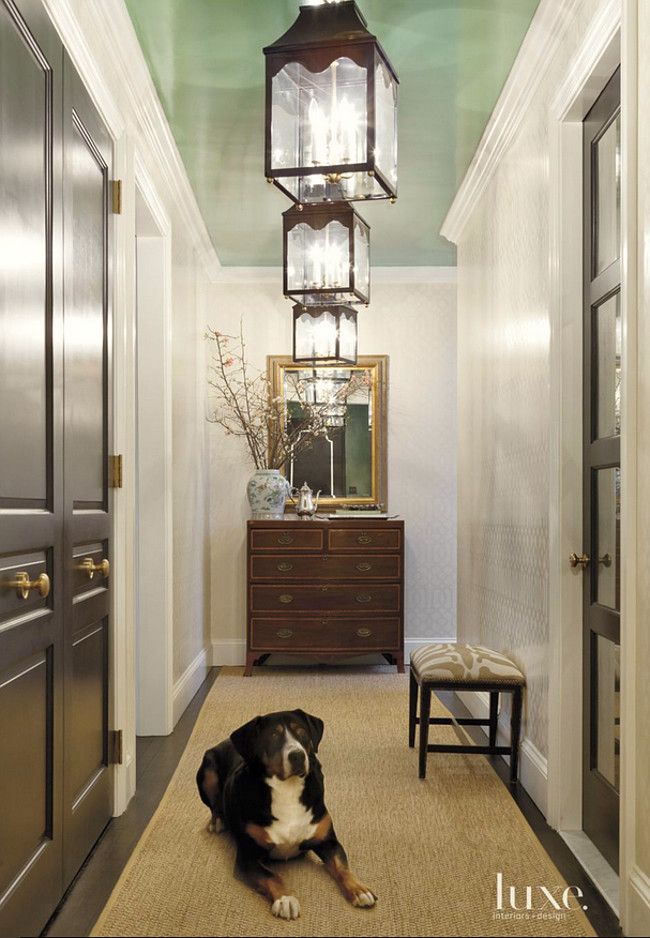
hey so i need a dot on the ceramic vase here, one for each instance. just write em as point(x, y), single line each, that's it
point(267, 492)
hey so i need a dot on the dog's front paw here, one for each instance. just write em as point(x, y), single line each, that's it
point(216, 826)
point(361, 897)
point(286, 907)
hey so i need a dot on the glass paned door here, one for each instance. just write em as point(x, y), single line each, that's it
point(602, 479)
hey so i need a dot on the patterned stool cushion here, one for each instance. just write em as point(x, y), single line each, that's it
point(446, 662)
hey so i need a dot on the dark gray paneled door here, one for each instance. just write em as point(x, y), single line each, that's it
point(602, 471)
point(55, 782)
point(31, 459)
point(87, 525)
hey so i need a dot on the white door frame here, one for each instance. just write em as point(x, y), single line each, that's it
point(153, 485)
point(596, 60)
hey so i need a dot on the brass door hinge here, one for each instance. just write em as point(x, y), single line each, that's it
point(116, 196)
point(115, 472)
point(115, 747)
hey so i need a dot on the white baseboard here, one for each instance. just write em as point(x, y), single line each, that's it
point(533, 769)
point(189, 682)
point(638, 917)
point(412, 644)
point(232, 652)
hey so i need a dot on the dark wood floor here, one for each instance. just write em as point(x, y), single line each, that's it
point(158, 756)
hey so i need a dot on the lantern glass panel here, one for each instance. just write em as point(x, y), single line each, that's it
point(386, 124)
point(320, 119)
point(361, 258)
point(315, 336)
point(318, 258)
point(348, 335)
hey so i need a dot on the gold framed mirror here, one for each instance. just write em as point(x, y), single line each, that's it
point(348, 463)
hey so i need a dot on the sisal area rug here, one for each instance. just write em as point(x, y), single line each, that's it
point(431, 850)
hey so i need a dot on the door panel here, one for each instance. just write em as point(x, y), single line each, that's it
point(602, 474)
point(31, 506)
point(25, 249)
point(26, 801)
point(85, 312)
point(88, 783)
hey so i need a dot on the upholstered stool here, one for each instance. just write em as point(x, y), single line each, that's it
point(454, 666)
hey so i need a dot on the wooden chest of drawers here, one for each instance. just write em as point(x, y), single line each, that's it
point(325, 587)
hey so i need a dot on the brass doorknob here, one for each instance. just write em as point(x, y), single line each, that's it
point(581, 560)
point(89, 566)
point(23, 585)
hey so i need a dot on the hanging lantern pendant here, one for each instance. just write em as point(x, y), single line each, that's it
point(325, 334)
point(331, 109)
point(326, 254)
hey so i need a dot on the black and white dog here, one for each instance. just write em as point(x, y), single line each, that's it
point(265, 786)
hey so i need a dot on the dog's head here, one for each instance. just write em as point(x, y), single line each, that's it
point(281, 743)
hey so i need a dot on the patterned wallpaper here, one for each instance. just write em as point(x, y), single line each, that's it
point(503, 400)
point(415, 324)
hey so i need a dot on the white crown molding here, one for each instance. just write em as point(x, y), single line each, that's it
point(595, 61)
point(113, 44)
point(384, 275)
point(542, 40)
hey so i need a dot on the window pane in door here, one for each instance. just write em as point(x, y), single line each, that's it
point(607, 709)
point(607, 338)
point(608, 537)
point(608, 196)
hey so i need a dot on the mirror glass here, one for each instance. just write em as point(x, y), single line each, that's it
point(345, 462)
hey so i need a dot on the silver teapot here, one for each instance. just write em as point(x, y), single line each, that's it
point(307, 504)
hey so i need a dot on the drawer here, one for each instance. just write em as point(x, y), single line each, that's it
point(299, 536)
point(325, 634)
point(361, 598)
point(365, 539)
point(357, 567)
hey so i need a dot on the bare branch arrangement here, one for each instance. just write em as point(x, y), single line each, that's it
point(244, 406)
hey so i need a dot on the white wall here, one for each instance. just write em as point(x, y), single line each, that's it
point(415, 324)
point(507, 364)
point(504, 326)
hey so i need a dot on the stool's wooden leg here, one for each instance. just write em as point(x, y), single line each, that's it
point(425, 713)
point(413, 707)
point(515, 729)
point(494, 717)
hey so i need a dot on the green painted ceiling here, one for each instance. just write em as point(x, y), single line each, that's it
point(452, 57)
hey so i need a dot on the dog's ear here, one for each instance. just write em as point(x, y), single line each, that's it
point(244, 738)
point(315, 726)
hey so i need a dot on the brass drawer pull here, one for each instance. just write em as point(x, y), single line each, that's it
point(285, 538)
point(363, 597)
point(364, 633)
point(364, 539)
point(324, 589)
point(284, 633)
point(23, 585)
point(364, 567)
point(286, 598)
point(89, 567)
point(285, 567)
